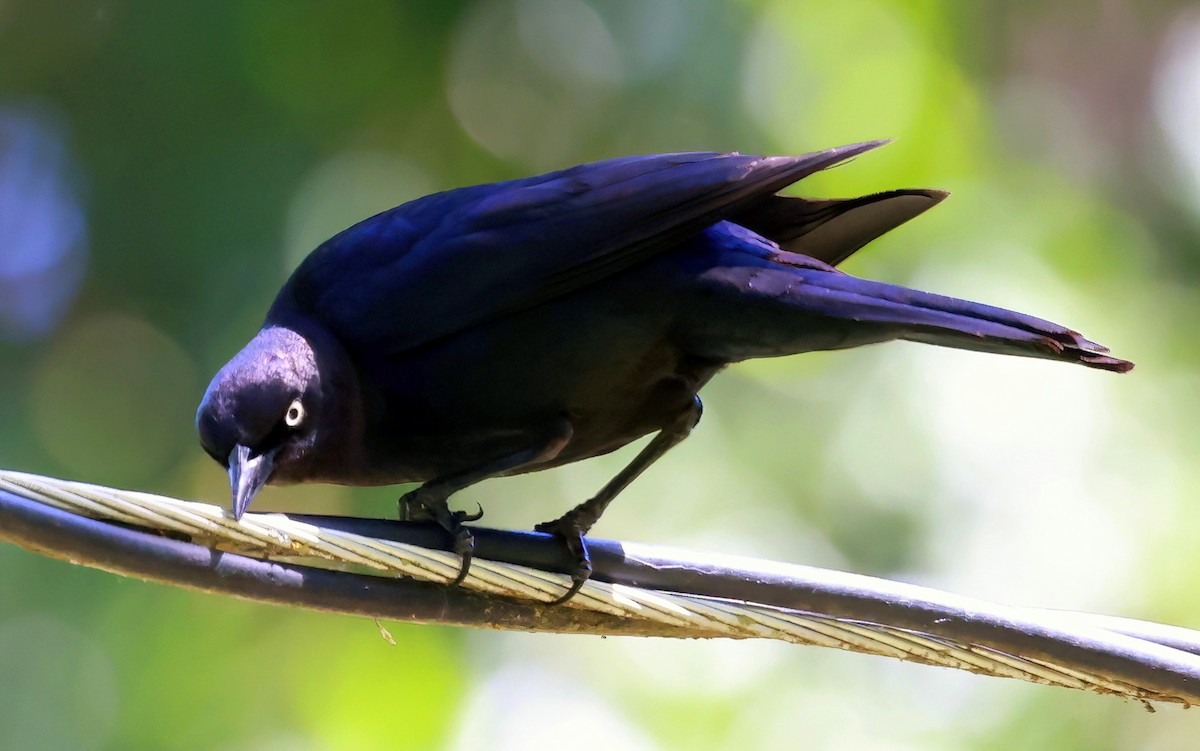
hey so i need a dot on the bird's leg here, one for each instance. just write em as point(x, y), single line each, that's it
point(428, 503)
point(573, 525)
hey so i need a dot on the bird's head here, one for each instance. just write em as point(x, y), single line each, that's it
point(266, 414)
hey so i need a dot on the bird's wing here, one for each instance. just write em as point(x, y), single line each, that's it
point(445, 263)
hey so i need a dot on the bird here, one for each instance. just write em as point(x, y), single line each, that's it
point(517, 326)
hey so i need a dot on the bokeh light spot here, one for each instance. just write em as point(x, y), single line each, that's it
point(650, 34)
point(518, 105)
point(343, 191)
point(43, 233)
point(114, 400)
point(569, 40)
point(1177, 96)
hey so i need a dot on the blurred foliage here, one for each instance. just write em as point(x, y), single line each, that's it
point(164, 165)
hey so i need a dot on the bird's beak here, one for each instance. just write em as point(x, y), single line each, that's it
point(247, 475)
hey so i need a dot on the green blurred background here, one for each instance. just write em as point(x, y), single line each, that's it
point(164, 165)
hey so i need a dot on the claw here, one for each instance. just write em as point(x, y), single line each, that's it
point(415, 507)
point(579, 577)
point(464, 545)
point(570, 532)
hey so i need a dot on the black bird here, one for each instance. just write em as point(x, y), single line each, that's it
point(512, 327)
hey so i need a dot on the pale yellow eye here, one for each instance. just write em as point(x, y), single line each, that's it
point(294, 415)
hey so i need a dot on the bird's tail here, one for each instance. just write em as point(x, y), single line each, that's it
point(951, 322)
point(806, 309)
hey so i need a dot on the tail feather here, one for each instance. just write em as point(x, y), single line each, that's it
point(788, 308)
point(945, 321)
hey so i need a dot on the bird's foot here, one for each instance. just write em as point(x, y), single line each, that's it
point(570, 528)
point(416, 506)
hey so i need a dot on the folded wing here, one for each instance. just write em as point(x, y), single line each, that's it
point(451, 261)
